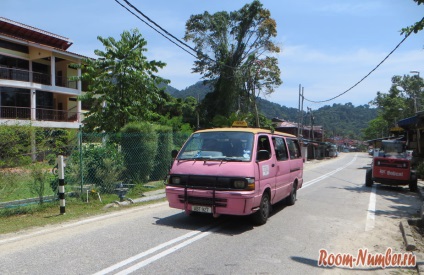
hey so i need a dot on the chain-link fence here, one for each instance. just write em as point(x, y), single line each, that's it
point(102, 163)
point(106, 162)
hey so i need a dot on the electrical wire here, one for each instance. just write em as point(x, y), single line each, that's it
point(154, 28)
point(366, 76)
point(169, 34)
point(162, 29)
point(192, 49)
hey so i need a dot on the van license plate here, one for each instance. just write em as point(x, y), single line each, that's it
point(203, 209)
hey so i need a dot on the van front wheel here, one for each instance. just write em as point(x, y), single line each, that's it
point(291, 199)
point(260, 217)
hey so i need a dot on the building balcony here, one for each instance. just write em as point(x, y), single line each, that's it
point(40, 78)
point(24, 113)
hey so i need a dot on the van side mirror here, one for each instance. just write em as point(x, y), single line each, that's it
point(263, 155)
point(174, 153)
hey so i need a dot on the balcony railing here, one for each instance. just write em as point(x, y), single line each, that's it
point(14, 74)
point(41, 78)
point(12, 112)
point(64, 82)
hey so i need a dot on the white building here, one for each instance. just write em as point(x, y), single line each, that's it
point(35, 78)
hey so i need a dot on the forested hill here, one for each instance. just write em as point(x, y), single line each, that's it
point(337, 119)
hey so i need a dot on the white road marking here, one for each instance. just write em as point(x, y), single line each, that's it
point(192, 236)
point(166, 252)
point(369, 225)
point(311, 182)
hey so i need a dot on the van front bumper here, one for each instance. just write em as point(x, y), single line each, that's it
point(221, 202)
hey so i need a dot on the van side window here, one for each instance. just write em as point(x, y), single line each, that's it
point(280, 148)
point(264, 144)
point(294, 149)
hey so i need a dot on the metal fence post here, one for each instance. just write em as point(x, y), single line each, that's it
point(61, 172)
point(80, 157)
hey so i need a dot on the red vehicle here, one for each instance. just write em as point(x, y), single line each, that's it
point(392, 166)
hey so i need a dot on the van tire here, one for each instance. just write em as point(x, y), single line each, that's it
point(413, 184)
point(291, 199)
point(261, 216)
point(368, 178)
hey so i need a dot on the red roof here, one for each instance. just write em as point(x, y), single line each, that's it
point(22, 31)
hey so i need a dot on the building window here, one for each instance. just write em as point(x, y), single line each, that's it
point(15, 103)
point(14, 47)
point(11, 62)
point(41, 73)
point(44, 100)
point(14, 68)
point(45, 106)
point(15, 97)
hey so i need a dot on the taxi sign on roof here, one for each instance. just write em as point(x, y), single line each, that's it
point(239, 123)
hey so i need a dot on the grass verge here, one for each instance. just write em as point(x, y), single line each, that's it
point(36, 215)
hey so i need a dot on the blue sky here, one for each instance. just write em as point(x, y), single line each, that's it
point(327, 45)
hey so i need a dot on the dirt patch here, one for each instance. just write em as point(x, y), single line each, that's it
point(417, 228)
point(15, 170)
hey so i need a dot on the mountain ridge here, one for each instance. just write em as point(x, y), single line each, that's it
point(338, 119)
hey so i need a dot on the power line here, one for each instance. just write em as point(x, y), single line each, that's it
point(169, 34)
point(199, 53)
point(366, 76)
point(154, 28)
point(154, 23)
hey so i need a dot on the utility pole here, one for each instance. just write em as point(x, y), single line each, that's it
point(300, 108)
point(311, 135)
point(416, 110)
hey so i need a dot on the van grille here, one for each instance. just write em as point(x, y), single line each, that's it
point(207, 182)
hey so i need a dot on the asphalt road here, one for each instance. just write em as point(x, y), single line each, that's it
point(334, 213)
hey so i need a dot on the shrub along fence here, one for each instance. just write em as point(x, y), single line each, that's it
point(95, 162)
point(104, 162)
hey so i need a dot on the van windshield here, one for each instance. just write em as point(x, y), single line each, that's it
point(221, 146)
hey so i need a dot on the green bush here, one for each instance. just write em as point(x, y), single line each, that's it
point(163, 156)
point(40, 178)
point(15, 145)
point(139, 147)
point(102, 162)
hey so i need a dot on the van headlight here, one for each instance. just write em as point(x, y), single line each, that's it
point(245, 184)
point(175, 180)
point(239, 184)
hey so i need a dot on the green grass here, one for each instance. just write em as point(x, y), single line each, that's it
point(36, 215)
point(15, 184)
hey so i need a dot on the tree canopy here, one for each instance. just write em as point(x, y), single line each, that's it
point(233, 55)
point(404, 99)
point(123, 85)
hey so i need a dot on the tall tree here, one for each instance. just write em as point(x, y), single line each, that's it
point(229, 46)
point(403, 99)
point(123, 86)
point(377, 128)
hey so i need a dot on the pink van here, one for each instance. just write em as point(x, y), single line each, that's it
point(235, 171)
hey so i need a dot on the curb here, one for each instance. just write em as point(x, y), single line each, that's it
point(407, 235)
point(157, 195)
point(405, 228)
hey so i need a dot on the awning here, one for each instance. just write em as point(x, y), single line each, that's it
point(408, 122)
